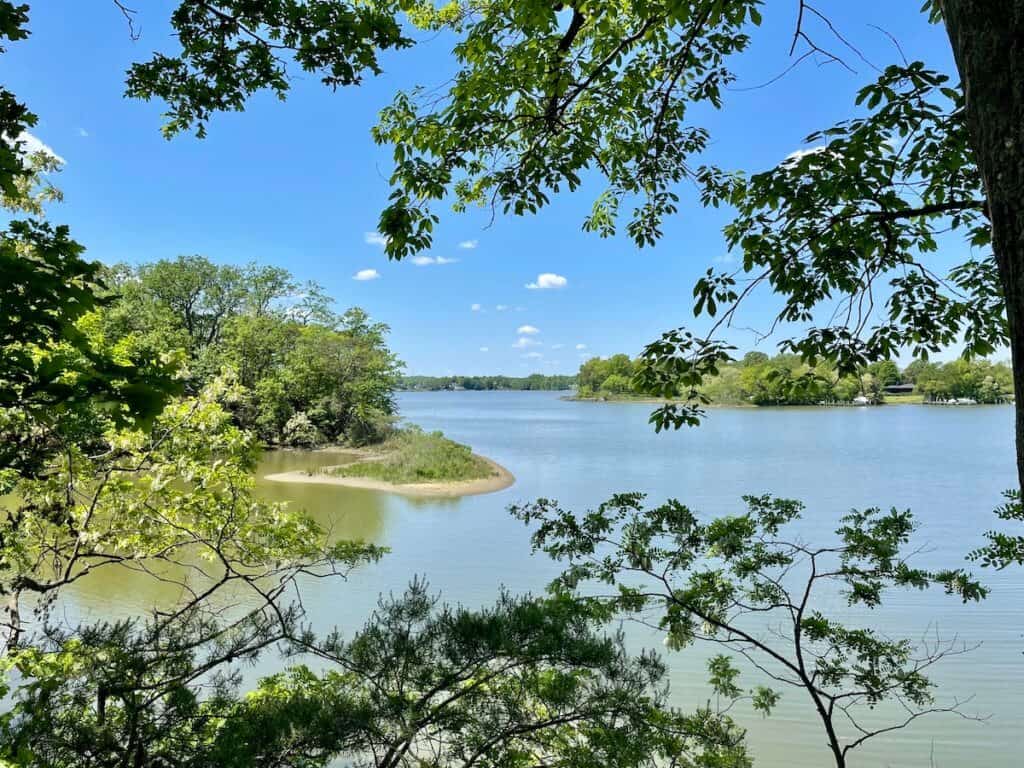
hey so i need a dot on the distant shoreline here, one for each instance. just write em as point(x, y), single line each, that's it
point(889, 400)
point(500, 480)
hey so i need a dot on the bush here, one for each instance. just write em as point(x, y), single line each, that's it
point(413, 456)
point(300, 432)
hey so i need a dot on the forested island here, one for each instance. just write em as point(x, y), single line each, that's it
point(785, 379)
point(300, 375)
point(305, 375)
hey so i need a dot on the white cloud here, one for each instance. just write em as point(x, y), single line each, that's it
point(547, 280)
point(557, 346)
point(528, 330)
point(799, 154)
point(375, 238)
point(581, 346)
point(485, 349)
point(725, 258)
point(426, 261)
point(83, 133)
point(501, 307)
point(525, 341)
point(533, 355)
point(31, 145)
point(475, 307)
point(366, 274)
point(795, 157)
point(469, 245)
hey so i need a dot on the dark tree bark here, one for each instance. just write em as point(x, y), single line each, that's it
point(988, 44)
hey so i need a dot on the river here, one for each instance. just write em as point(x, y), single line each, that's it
point(949, 465)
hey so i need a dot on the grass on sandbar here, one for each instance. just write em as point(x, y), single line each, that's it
point(413, 456)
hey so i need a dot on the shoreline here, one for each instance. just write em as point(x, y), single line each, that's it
point(895, 400)
point(446, 489)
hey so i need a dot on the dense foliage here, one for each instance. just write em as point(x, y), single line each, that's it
point(309, 376)
point(785, 379)
point(535, 381)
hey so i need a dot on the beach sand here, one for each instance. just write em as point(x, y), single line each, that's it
point(498, 481)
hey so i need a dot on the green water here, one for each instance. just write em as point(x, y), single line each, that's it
point(947, 464)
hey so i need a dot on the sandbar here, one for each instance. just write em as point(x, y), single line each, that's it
point(500, 480)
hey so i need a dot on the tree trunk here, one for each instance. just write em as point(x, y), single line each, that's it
point(10, 620)
point(988, 44)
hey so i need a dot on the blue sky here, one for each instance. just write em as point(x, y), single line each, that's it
point(300, 184)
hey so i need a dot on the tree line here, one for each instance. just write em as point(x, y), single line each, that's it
point(786, 379)
point(535, 381)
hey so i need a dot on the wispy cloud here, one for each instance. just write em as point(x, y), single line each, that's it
point(725, 258)
point(475, 307)
point(375, 238)
point(501, 307)
point(528, 330)
point(32, 145)
point(581, 347)
point(557, 346)
point(485, 349)
point(366, 274)
point(524, 342)
point(469, 245)
point(426, 261)
point(795, 157)
point(533, 355)
point(547, 281)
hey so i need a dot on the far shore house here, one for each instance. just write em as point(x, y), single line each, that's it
point(898, 389)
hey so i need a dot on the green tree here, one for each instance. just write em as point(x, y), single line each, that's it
point(526, 682)
point(726, 581)
point(200, 295)
point(885, 372)
point(914, 370)
point(617, 384)
point(592, 374)
point(754, 358)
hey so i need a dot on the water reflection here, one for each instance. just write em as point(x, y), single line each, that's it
point(346, 513)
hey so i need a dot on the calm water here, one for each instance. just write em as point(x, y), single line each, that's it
point(947, 464)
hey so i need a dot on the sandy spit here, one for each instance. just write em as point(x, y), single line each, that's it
point(502, 479)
